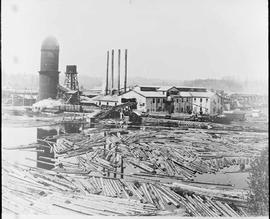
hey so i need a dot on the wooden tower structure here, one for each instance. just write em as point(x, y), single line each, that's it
point(71, 80)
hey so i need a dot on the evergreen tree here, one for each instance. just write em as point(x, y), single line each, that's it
point(258, 199)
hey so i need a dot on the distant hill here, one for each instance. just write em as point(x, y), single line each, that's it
point(216, 84)
point(21, 81)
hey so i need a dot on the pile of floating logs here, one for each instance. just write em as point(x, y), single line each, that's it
point(175, 123)
point(75, 144)
point(33, 190)
point(201, 125)
point(178, 153)
point(182, 155)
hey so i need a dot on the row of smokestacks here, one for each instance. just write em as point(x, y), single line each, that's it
point(107, 89)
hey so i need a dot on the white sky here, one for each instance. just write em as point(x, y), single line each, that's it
point(174, 39)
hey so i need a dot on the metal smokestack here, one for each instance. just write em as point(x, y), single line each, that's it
point(125, 82)
point(107, 74)
point(112, 69)
point(119, 57)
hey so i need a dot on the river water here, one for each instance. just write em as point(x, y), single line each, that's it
point(14, 136)
point(239, 180)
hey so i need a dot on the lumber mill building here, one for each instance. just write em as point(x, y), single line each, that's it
point(153, 99)
point(157, 98)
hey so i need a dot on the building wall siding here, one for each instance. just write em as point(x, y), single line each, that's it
point(210, 105)
point(201, 103)
point(105, 103)
point(141, 100)
point(182, 104)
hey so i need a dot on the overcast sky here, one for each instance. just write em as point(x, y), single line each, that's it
point(174, 39)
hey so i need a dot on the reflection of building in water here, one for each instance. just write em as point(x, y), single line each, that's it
point(43, 158)
point(70, 127)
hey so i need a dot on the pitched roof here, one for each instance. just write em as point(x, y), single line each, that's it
point(91, 92)
point(185, 94)
point(107, 98)
point(165, 88)
point(152, 94)
point(149, 94)
point(202, 94)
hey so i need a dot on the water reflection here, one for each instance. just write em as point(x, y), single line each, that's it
point(45, 152)
point(71, 127)
point(15, 137)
